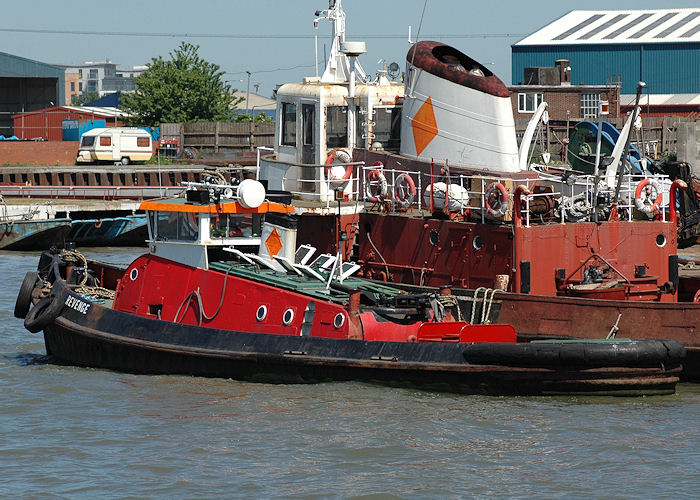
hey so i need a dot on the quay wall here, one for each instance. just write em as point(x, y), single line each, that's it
point(38, 153)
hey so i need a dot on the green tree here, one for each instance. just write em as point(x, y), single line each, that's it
point(85, 97)
point(244, 118)
point(184, 88)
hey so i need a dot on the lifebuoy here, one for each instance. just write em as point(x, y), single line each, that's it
point(334, 173)
point(98, 224)
point(404, 190)
point(696, 297)
point(376, 185)
point(648, 186)
point(44, 312)
point(496, 199)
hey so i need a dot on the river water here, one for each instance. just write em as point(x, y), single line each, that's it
point(70, 432)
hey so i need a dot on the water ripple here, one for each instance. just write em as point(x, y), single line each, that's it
point(71, 432)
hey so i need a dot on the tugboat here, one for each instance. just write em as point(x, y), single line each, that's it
point(224, 291)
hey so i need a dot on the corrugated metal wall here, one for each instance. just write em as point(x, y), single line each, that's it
point(666, 68)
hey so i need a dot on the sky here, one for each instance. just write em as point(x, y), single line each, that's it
point(274, 39)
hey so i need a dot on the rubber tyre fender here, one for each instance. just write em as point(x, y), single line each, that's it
point(44, 312)
point(24, 297)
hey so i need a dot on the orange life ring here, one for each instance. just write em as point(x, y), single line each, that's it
point(338, 154)
point(98, 224)
point(639, 203)
point(376, 185)
point(404, 190)
point(696, 297)
point(502, 199)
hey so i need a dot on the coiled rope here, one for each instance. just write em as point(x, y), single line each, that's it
point(74, 256)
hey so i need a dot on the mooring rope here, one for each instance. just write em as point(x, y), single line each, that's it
point(92, 291)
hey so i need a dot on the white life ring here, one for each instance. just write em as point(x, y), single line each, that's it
point(496, 199)
point(644, 193)
point(375, 185)
point(335, 172)
point(404, 190)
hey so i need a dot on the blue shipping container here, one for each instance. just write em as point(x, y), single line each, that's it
point(74, 129)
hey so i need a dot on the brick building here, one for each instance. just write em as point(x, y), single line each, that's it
point(565, 101)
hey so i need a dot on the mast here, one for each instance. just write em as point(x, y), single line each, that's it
point(338, 67)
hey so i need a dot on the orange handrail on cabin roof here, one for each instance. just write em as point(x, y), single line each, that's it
point(231, 207)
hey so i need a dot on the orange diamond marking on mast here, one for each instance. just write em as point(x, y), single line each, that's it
point(273, 243)
point(424, 126)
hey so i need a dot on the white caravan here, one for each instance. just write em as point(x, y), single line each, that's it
point(118, 144)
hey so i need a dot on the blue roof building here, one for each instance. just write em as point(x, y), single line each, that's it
point(660, 47)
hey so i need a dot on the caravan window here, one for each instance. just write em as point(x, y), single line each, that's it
point(87, 141)
point(289, 124)
point(143, 142)
point(336, 126)
point(105, 140)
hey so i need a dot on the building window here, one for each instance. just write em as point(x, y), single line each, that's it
point(528, 103)
point(336, 126)
point(72, 86)
point(93, 73)
point(589, 105)
point(289, 124)
point(80, 86)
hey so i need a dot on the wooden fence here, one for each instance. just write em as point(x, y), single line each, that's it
point(658, 136)
point(220, 137)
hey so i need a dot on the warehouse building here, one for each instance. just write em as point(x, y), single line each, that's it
point(659, 47)
point(27, 85)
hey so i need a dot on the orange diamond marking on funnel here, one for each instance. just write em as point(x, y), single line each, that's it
point(424, 126)
point(273, 243)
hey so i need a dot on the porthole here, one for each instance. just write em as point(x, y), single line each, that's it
point(287, 317)
point(339, 320)
point(660, 240)
point(261, 313)
point(134, 274)
point(433, 238)
point(477, 243)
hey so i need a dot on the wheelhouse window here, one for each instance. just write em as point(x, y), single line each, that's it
point(387, 127)
point(231, 225)
point(177, 226)
point(528, 102)
point(289, 124)
point(336, 126)
point(589, 105)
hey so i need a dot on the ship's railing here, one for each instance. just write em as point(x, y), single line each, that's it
point(90, 192)
point(569, 196)
point(308, 181)
point(311, 182)
point(399, 189)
